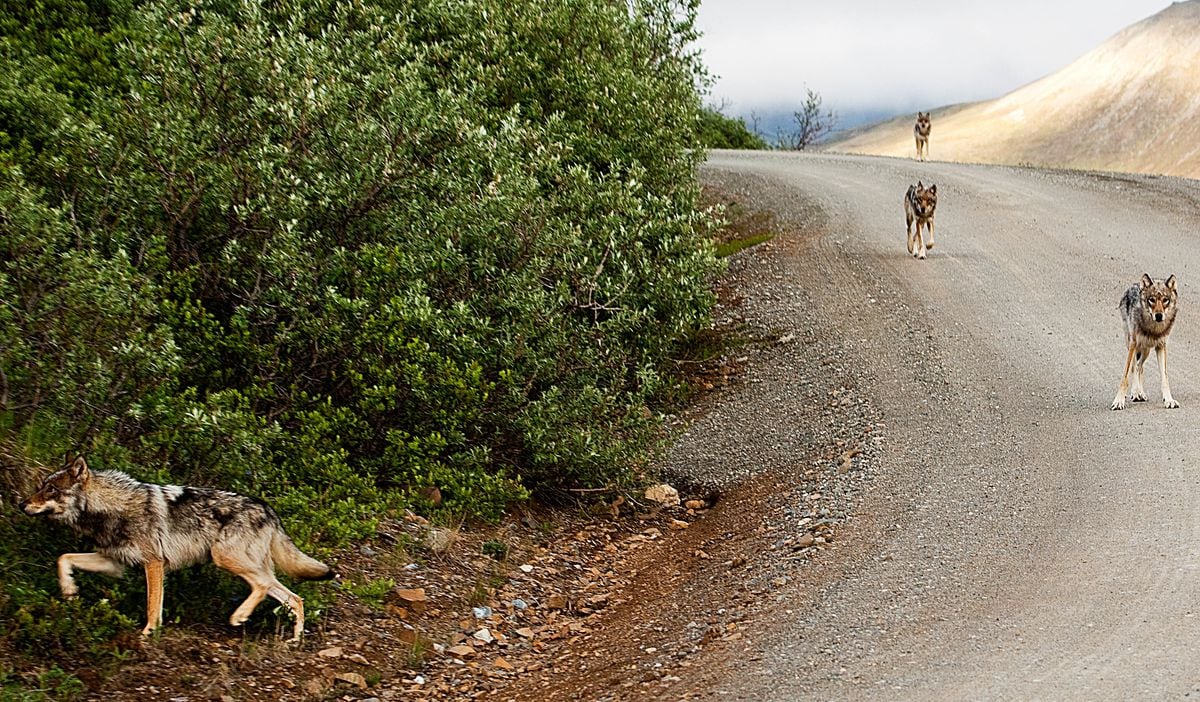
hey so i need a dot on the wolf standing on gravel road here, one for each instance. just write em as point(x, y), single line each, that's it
point(1148, 312)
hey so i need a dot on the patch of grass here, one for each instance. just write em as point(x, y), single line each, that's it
point(415, 658)
point(729, 248)
point(496, 549)
point(709, 344)
point(54, 684)
point(371, 592)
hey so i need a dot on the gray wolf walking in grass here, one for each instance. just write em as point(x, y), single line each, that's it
point(919, 205)
point(164, 527)
point(921, 133)
point(1148, 313)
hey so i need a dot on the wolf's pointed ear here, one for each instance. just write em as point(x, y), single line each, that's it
point(1171, 282)
point(933, 188)
point(919, 186)
point(78, 469)
point(1147, 281)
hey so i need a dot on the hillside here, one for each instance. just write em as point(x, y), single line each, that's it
point(1130, 104)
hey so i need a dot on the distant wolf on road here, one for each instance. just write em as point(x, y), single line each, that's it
point(164, 527)
point(1148, 313)
point(919, 205)
point(921, 132)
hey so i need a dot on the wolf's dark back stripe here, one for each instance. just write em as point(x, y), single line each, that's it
point(1130, 300)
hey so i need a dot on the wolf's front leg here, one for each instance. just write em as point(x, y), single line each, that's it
point(919, 248)
point(1123, 391)
point(1137, 391)
point(154, 596)
point(90, 562)
point(930, 244)
point(1161, 352)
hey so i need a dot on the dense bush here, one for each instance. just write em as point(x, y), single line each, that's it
point(332, 253)
point(719, 131)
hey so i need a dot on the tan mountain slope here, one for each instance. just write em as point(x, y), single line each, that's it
point(1130, 104)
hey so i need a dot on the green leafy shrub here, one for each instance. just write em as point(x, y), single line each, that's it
point(720, 131)
point(335, 253)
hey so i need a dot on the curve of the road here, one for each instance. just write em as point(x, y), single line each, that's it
point(1027, 542)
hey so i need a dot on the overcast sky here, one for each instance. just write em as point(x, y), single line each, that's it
point(896, 56)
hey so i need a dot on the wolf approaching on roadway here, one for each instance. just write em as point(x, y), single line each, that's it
point(164, 527)
point(921, 132)
point(919, 205)
point(1148, 311)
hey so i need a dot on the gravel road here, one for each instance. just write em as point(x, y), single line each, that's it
point(1016, 539)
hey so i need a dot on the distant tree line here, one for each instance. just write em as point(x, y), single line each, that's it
point(810, 124)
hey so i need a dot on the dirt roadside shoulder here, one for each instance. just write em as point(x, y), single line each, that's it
point(792, 443)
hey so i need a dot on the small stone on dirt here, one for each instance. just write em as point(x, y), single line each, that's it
point(332, 652)
point(412, 595)
point(352, 679)
point(663, 494)
point(438, 539)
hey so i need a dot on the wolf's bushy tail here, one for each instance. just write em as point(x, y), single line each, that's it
point(295, 562)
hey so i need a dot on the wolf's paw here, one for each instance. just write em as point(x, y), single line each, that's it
point(1118, 404)
point(921, 255)
point(149, 630)
point(929, 245)
point(70, 592)
point(1139, 397)
point(1170, 403)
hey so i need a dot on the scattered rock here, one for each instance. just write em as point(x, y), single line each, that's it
point(695, 504)
point(526, 568)
point(502, 664)
point(679, 524)
point(484, 635)
point(481, 612)
point(438, 539)
point(461, 651)
point(351, 679)
point(412, 595)
point(332, 652)
point(663, 494)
